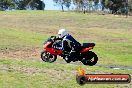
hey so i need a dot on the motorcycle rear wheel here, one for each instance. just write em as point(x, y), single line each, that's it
point(47, 57)
point(90, 59)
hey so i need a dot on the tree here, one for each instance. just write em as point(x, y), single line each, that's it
point(80, 5)
point(63, 3)
point(96, 2)
point(68, 4)
point(37, 4)
point(21, 5)
point(104, 4)
point(33, 4)
point(6, 4)
point(116, 5)
point(130, 5)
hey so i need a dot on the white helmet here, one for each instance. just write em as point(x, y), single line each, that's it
point(62, 33)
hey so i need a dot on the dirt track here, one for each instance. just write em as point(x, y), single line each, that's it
point(24, 54)
point(35, 55)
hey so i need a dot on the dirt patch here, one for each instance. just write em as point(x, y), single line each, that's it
point(24, 54)
point(31, 54)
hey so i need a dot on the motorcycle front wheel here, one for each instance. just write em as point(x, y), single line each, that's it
point(47, 57)
point(90, 58)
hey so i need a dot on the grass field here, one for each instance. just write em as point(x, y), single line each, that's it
point(23, 32)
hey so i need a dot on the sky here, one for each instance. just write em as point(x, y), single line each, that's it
point(50, 5)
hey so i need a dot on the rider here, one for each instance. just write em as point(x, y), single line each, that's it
point(69, 44)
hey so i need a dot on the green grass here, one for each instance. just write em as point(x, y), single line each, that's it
point(18, 39)
point(35, 74)
point(21, 30)
point(26, 31)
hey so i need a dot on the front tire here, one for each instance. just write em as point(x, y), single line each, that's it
point(47, 57)
point(90, 58)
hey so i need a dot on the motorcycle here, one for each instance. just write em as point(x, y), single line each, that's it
point(50, 52)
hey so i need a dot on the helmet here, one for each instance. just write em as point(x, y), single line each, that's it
point(62, 33)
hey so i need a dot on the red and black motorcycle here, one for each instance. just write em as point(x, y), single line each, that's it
point(49, 53)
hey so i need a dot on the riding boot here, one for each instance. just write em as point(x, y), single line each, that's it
point(72, 55)
point(67, 59)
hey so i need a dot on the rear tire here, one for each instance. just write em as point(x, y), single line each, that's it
point(47, 57)
point(90, 58)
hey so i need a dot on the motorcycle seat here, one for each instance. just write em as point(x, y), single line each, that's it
point(86, 45)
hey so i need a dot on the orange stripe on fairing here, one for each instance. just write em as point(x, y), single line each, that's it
point(46, 45)
point(86, 49)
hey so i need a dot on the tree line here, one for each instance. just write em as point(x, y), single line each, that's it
point(114, 6)
point(22, 4)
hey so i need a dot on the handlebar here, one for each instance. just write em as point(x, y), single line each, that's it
point(54, 38)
